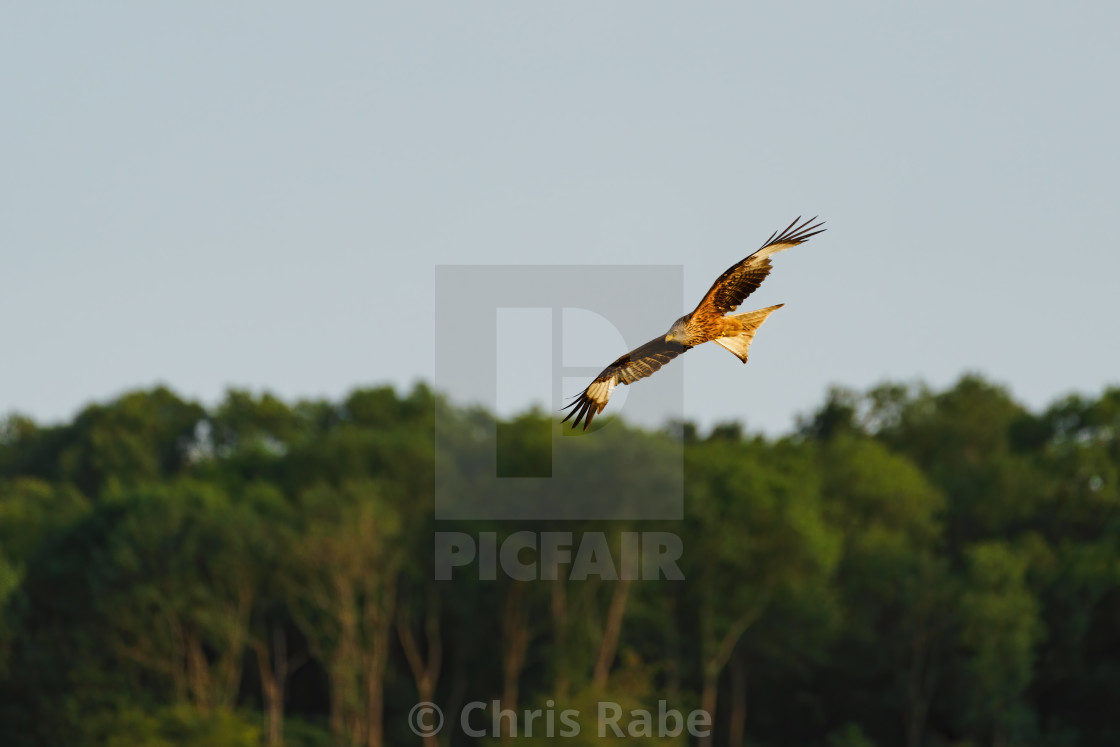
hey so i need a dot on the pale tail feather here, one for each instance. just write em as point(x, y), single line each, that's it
point(739, 342)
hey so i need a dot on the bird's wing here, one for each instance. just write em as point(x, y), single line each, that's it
point(730, 288)
point(637, 364)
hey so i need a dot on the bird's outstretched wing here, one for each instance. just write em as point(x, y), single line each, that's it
point(639, 363)
point(730, 288)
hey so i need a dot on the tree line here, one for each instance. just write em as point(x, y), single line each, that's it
point(909, 567)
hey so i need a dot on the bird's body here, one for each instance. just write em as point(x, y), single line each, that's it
point(708, 322)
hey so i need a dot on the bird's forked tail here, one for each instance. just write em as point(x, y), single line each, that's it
point(738, 330)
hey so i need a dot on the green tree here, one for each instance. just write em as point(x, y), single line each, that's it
point(1000, 629)
point(755, 532)
point(135, 440)
point(344, 594)
point(896, 589)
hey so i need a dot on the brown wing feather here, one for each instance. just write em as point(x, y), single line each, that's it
point(732, 287)
point(639, 363)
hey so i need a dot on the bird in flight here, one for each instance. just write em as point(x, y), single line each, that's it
point(708, 322)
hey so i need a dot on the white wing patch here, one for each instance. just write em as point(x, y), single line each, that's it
point(600, 391)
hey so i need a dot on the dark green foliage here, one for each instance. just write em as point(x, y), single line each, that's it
point(911, 568)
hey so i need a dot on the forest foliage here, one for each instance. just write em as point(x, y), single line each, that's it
point(910, 567)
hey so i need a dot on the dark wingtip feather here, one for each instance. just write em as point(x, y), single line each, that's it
point(579, 407)
point(797, 234)
point(572, 408)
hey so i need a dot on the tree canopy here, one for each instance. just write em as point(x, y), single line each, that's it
point(911, 567)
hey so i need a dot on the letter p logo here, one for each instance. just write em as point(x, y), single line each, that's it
point(511, 333)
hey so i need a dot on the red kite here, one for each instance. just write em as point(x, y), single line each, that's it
point(706, 323)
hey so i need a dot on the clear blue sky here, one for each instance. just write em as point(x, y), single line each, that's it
point(256, 195)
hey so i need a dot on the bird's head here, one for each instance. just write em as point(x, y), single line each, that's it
point(678, 332)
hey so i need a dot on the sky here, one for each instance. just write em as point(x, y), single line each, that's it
point(258, 195)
